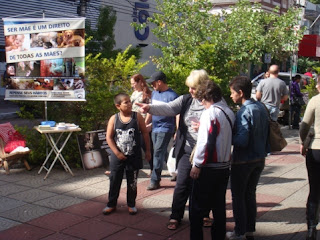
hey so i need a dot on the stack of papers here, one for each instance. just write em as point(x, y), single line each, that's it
point(67, 126)
point(44, 127)
point(71, 125)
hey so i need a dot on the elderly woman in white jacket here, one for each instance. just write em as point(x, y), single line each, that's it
point(211, 162)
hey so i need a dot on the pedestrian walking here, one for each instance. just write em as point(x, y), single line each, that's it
point(310, 147)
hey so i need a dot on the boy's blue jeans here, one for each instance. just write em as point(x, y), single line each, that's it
point(160, 142)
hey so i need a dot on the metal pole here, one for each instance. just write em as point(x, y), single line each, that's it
point(290, 85)
point(46, 105)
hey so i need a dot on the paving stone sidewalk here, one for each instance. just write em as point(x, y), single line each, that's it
point(66, 207)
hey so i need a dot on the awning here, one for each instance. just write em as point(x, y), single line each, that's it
point(309, 46)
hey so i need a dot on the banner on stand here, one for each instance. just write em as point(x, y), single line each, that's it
point(45, 59)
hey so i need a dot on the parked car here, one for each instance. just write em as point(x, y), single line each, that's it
point(283, 117)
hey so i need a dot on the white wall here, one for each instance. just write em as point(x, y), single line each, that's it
point(124, 32)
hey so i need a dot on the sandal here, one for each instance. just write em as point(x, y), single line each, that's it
point(173, 224)
point(207, 222)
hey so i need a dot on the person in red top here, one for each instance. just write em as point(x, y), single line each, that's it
point(309, 72)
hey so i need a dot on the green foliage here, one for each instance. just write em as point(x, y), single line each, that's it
point(304, 63)
point(223, 44)
point(106, 77)
point(101, 40)
point(317, 68)
point(107, 72)
point(102, 37)
point(36, 142)
point(311, 88)
point(315, 1)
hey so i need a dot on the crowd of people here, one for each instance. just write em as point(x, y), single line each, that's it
point(232, 145)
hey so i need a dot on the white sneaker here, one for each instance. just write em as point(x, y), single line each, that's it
point(234, 236)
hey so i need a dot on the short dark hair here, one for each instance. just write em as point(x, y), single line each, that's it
point(242, 83)
point(118, 98)
point(209, 90)
point(297, 77)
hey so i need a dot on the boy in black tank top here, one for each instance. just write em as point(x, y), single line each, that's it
point(123, 137)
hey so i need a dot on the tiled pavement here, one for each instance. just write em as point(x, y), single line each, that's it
point(66, 207)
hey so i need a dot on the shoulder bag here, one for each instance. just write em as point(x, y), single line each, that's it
point(276, 140)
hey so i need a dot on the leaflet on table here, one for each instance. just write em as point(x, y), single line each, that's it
point(58, 126)
point(41, 95)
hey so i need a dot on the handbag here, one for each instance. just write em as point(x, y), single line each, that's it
point(171, 163)
point(307, 141)
point(276, 140)
point(298, 100)
point(15, 140)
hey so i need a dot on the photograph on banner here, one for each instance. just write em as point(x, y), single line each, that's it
point(45, 83)
point(94, 149)
point(45, 54)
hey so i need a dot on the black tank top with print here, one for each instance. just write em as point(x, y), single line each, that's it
point(127, 139)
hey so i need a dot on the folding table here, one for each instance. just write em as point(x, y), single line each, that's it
point(54, 146)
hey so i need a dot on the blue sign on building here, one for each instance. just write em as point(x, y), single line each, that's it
point(140, 15)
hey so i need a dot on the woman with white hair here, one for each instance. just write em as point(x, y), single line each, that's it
point(190, 109)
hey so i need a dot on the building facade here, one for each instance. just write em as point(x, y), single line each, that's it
point(267, 5)
point(127, 12)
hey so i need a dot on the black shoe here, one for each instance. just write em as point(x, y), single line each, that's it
point(249, 236)
point(295, 127)
point(312, 234)
point(153, 186)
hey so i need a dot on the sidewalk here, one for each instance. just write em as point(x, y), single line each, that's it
point(66, 207)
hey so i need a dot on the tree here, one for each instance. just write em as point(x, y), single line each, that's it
point(304, 63)
point(102, 37)
point(191, 37)
point(106, 77)
point(315, 1)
